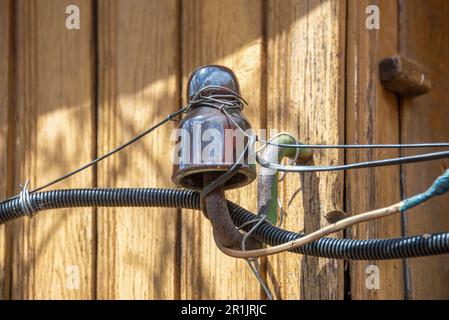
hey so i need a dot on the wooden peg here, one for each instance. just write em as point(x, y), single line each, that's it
point(404, 76)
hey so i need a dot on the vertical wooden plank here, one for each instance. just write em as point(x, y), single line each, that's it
point(306, 50)
point(372, 116)
point(5, 112)
point(228, 33)
point(138, 86)
point(424, 37)
point(54, 133)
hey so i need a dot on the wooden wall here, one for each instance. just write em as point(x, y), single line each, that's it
point(305, 66)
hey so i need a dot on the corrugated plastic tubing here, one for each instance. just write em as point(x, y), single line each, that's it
point(372, 249)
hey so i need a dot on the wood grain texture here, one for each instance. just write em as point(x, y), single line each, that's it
point(138, 86)
point(424, 37)
point(54, 107)
point(305, 61)
point(372, 116)
point(6, 16)
point(228, 33)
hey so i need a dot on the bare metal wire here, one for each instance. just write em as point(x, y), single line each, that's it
point(253, 263)
point(25, 200)
point(170, 117)
point(360, 146)
point(357, 165)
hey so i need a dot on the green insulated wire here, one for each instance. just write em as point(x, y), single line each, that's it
point(277, 151)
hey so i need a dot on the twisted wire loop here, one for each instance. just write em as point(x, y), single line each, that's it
point(231, 100)
point(25, 200)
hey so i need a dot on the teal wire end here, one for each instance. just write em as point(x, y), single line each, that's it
point(439, 187)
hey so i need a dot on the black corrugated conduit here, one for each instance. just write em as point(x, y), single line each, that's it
point(373, 249)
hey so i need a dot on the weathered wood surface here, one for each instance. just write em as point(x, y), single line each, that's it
point(372, 116)
point(138, 86)
point(424, 37)
point(53, 81)
point(5, 127)
point(305, 63)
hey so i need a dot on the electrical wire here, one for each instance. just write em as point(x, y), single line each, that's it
point(333, 248)
point(342, 223)
point(254, 263)
point(291, 168)
point(236, 101)
point(198, 100)
point(359, 146)
point(439, 187)
point(306, 239)
point(357, 165)
point(170, 117)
